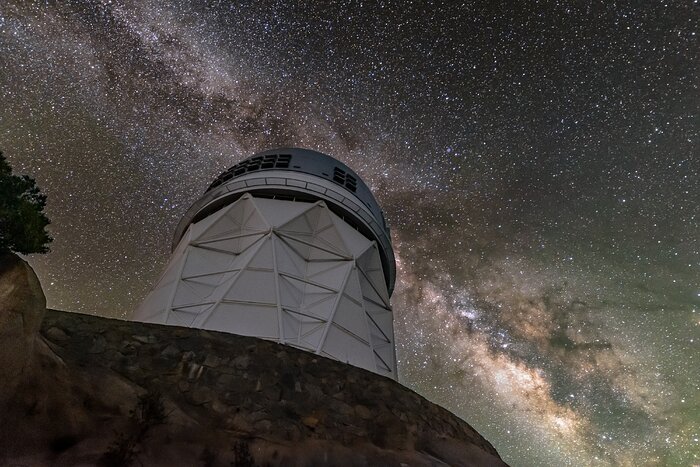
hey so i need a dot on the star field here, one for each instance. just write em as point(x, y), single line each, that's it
point(539, 164)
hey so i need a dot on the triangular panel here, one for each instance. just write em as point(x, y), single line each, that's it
point(346, 348)
point(354, 241)
point(242, 217)
point(326, 233)
point(328, 273)
point(311, 250)
point(233, 245)
point(253, 286)
point(210, 280)
point(243, 319)
point(203, 261)
point(263, 256)
point(351, 317)
point(279, 212)
point(371, 266)
point(189, 293)
point(386, 354)
point(300, 225)
point(228, 222)
point(291, 292)
point(288, 261)
point(320, 305)
point(352, 286)
point(291, 326)
point(311, 334)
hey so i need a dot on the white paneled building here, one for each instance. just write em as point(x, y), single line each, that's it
point(291, 246)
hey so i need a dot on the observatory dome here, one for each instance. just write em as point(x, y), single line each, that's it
point(287, 245)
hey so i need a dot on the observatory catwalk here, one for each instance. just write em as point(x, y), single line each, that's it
point(288, 245)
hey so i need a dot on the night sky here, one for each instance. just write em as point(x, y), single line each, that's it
point(538, 162)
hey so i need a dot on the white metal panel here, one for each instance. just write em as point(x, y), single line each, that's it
point(246, 319)
point(327, 273)
point(259, 267)
point(253, 286)
point(280, 212)
point(351, 318)
point(289, 262)
point(344, 347)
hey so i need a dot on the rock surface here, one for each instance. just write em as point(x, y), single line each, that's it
point(113, 392)
point(22, 306)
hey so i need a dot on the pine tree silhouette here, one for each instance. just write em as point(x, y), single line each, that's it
point(22, 219)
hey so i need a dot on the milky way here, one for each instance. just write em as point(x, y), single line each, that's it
point(538, 164)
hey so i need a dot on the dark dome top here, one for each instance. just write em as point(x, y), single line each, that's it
point(309, 162)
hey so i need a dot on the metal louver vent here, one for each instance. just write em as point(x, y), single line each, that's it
point(345, 179)
point(266, 162)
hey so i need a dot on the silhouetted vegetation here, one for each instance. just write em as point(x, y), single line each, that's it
point(242, 456)
point(22, 219)
point(149, 412)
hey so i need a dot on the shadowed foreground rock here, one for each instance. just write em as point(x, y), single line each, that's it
point(111, 392)
point(22, 307)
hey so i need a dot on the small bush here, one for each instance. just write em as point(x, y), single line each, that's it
point(241, 455)
point(149, 412)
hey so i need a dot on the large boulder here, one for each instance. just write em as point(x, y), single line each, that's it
point(22, 307)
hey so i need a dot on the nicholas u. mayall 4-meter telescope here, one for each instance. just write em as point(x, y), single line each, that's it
point(288, 245)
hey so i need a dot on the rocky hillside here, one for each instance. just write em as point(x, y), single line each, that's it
point(84, 390)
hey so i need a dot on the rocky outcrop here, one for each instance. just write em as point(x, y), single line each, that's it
point(113, 392)
point(22, 306)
